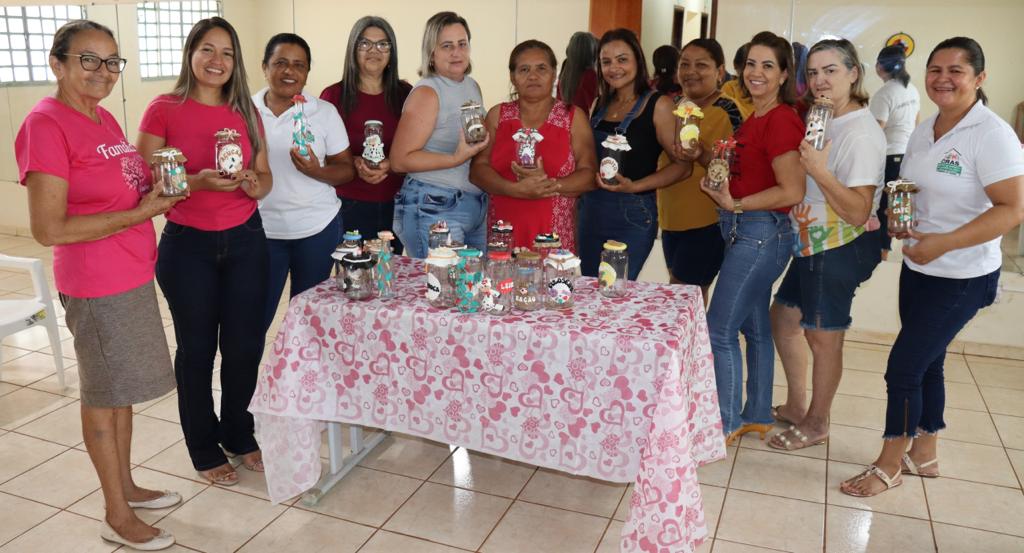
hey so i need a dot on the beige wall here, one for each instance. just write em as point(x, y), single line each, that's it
point(995, 24)
point(497, 27)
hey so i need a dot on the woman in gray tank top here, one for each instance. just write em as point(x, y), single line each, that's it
point(430, 147)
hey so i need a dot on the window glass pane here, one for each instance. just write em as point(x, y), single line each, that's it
point(32, 11)
point(21, 74)
point(20, 57)
point(16, 25)
point(17, 42)
point(6, 74)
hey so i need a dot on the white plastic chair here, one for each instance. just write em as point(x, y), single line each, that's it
point(18, 315)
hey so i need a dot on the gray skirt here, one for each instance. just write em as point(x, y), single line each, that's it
point(123, 358)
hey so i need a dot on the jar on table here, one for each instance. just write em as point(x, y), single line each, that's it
point(611, 273)
point(440, 290)
point(473, 122)
point(228, 151)
point(468, 271)
point(818, 119)
point(902, 207)
point(351, 245)
point(358, 278)
point(544, 244)
point(501, 236)
point(439, 235)
point(529, 282)
point(384, 271)
point(169, 169)
point(496, 287)
point(373, 143)
point(561, 269)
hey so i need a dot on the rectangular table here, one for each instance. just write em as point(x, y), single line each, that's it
point(620, 390)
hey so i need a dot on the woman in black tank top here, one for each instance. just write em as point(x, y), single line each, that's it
point(627, 211)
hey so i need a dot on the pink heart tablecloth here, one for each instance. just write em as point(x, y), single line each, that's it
point(620, 390)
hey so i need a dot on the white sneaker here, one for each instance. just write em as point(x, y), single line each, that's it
point(168, 499)
point(163, 540)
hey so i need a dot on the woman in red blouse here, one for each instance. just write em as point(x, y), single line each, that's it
point(766, 180)
point(541, 199)
point(370, 90)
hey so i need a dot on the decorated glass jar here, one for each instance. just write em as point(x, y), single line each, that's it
point(501, 236)
point(902, 207)
point(526, 147)
point(473, 122)
point(169, 169)
point(302, 137)
point(720, 166)
point(687, 116)
point(440, 290)
point(561, 269)
point(373, 143)
point(818, 119)
point(496, 287)
point(358, 277)
point(529, 282)
point(615, 148)
point(544, 244)
point(384, 270)
point(469, 272)
point(611, 273)
point(228, 151)
point(439, 235)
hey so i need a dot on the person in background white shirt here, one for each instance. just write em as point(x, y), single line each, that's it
point(836, 249)
point(301, 214)
point(896, 106)
point(969, 167)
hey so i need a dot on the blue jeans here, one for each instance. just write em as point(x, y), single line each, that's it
point(215, 283)
point(629, 218)
point(758, 246)
point(932, 311)
point(307, 259)
point(419, 205)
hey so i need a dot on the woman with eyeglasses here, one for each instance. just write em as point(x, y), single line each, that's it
point(90, 197)
point(301, 215)
point(213, 262)
point(431, 147)
point(370, 90)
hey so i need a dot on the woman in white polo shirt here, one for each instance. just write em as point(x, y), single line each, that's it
point(969, 167)
point(301, 215)
point(896, 107)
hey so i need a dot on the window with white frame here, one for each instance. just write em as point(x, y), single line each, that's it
point(163, 27)
point(26, 34)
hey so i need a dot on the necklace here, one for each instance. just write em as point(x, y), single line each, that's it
point(619, 104)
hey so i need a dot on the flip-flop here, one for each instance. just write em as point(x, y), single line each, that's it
point(780, 441)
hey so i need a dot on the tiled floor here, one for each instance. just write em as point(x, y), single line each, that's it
point(412, 496)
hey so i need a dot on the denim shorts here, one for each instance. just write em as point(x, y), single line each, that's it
point(822, 285)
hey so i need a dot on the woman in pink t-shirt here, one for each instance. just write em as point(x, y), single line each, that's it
point(90, 197)
point(213, 260)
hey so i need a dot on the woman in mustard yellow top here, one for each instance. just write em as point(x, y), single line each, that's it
point(690, 237)
point(733, 90)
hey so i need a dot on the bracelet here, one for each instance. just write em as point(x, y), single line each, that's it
point(737, 206)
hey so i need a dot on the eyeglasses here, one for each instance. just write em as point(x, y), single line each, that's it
point(93, 63)
point(382, 46)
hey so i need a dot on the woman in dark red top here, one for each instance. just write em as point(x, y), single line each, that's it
point(766, 180)
point(543, 199)
point(370, 91)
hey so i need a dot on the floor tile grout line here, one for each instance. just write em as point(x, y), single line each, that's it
point(1020, 482)
point(519, 494)
point(265, 526)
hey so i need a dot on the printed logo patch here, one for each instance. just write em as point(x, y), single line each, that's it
point(950, 163)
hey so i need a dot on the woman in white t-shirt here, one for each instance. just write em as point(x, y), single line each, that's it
point(969, 167)
point(301, 214)
point(835, 252)
point(896, 106)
